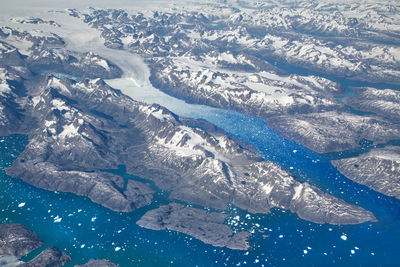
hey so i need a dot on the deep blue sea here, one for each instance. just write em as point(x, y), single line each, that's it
point(86, 230)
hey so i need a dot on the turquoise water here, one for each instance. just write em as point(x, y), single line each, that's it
point(87, 230)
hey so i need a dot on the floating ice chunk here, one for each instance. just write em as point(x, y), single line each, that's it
point(93, 219)
point(79, 210)
point(20, 205)
point(344, 237)
point(83, 245)
point(352, 251)
point(294, 151)
point(57, 219)
point(305, 251)
point(280, 236)
point(117, 248)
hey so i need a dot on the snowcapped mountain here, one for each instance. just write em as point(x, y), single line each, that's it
point(83, 127)
point(378, 168)
point(332, 132)
point(287, 63)
point(230, 60)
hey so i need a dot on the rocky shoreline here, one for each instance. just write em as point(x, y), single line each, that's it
point(378, 169)
point(78, 127)
point(207, 227)
point(16, 241)
point(239, 68)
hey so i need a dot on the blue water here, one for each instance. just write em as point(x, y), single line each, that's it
point(59, 75)
point(88, 230)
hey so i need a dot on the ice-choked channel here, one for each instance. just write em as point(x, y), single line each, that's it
point(87, 230)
